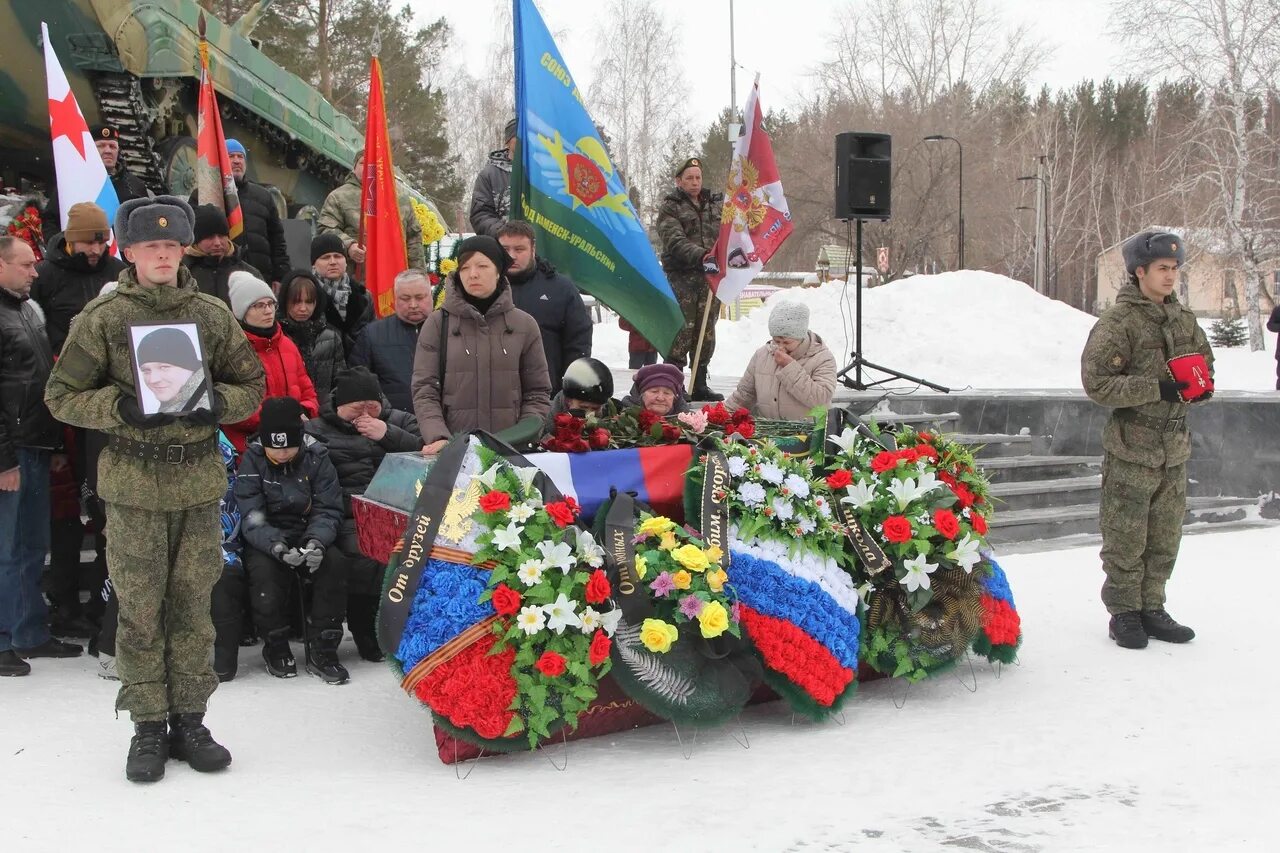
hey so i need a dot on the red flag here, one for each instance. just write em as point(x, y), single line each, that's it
point(215, 184)
point(381, 231)
point(756, 218)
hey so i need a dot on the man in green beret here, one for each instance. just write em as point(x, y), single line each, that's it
point(160, 476)
point(688, 225)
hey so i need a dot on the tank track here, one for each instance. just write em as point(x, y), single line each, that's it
point(121, 103)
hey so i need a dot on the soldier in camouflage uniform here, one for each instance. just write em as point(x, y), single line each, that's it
point(688, 225)
point(161, 477)
point(1146, 443)
point(341, 215)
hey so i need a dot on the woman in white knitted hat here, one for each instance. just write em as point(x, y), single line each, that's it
point(791, 374)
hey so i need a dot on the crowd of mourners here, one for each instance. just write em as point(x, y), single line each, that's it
point(502, 344)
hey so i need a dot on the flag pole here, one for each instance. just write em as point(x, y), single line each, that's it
point(702, 333)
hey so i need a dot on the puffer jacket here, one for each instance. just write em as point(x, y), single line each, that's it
point(286, 377)
point(263, 237)
point(355, 457)
point(495, 370)
point(290, 503)
point(491, 195)
point(787, 393)
point(387, 347)
point(688, 229)
point(341, 215)
point(554, 301)
point(319, 343)
point(359, 315)
point(1123, 362)
point(66, 283)
point(25, 362)
point(211, 274)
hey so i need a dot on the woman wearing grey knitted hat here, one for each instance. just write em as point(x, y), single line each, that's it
point(791, 374)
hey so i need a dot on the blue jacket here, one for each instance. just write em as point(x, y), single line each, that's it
point(387, 348)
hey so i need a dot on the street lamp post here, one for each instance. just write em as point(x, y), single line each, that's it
point(938, 137)
point(1042, 227)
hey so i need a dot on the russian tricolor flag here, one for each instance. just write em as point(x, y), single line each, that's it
point(654, 474)
point(81, 174)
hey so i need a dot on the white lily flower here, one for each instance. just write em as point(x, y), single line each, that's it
point(556, 554)
point(526, 476)
point(845, 441)
point(859, 494)
point(508, 537)
point(530, 619)
point(798, 485)
point(609, 620)
point(589, 551)
point(918, 570)
point(489, 478)
point(927, 483)
point(521, 512)
point(966, 553)
point(530, 572)
point(561, 614)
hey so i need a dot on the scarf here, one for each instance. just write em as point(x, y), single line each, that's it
point(338, 291)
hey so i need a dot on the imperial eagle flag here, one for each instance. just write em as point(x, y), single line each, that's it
point(215, 184)
point(381, 231)
point(756, 219)
point(80, 172)
point(564, 184)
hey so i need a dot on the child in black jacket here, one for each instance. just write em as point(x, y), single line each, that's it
point(291, 508)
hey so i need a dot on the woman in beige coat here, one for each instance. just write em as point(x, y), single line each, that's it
point(791, 374)
point(494, 370)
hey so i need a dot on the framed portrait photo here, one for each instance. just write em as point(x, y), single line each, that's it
point(170, 372)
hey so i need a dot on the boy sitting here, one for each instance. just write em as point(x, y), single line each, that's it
point(291, 509)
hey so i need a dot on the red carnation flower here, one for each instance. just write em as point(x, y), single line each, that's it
point(717, 414)
point(506, 601)
point(927, 451)
point(598, 588)
point(647, 419)
point(599, 651)
point(495, 501)
point(550, 664)
point(909, 454)
point(883, 461)
point(946, 523)
point(599, 438)
point(573, 505)
point(963, 494)
point(925, 436)
point(746, 429)
point(979, 523)
point(560, 513)
point(838, 479)
point(670, 432)
point(897, 529)
point(741, 415)
point(947, 478)
point(564, 420)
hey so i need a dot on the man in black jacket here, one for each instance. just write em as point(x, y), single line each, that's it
point(349, 308)
point(551, 298)
point(360, 428)
point(387, 346)
point(27, 435)
point(291, 507)
point(75, 269)
point(212, 258)
point(263, 238)
point(491, 195)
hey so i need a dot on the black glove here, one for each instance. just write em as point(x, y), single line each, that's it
point(313, 553)
point(207, 417)
point(1169, 389)
point(129, 412)
point(1205, 396)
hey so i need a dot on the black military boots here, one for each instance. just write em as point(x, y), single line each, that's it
point(191, 742)
point(1126, 629)
point(148, 751)
point(1159, 625)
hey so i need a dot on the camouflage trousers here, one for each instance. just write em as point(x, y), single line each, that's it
point(1142, 510)
point(163, 566)
point(693, 293)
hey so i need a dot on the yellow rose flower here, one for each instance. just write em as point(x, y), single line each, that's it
point(658, 636)
point(713, 620)
point(682, 579)
point(656, 525)
point(668, 542)
point(691, 557)
point(714, 554)
point(642, 566)
point(447, 266)
point(716, 579)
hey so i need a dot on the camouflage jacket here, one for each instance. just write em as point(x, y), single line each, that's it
point(1122, 365)
point(341, 215)
point(95, 371)
point(688, 230)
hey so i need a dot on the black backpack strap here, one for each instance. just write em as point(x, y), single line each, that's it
point(444, 349)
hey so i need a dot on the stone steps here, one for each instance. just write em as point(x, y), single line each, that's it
point(1033, 494)
point(1052, 522)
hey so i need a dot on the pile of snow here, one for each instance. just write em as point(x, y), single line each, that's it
point(1083, 746)
point(967, 329)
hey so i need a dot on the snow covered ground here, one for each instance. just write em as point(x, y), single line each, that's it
point(966, 329)
point(1082, 747)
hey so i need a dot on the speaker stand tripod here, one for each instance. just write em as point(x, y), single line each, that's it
point(857, 362)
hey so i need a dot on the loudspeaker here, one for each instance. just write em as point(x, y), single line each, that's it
point(864, 166)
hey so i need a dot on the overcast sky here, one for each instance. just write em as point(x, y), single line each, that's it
point(782, 47)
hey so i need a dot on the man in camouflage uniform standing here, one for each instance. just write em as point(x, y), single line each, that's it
point(1146, 443)
point(161, 477)
point(688, 225)
point(341, 215)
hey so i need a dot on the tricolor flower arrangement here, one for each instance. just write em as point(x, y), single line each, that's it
point(552, 599)
point(686, 583)
point(1001, 625)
